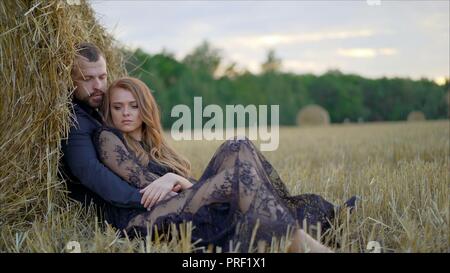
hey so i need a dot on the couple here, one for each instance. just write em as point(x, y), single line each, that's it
point(118, 159)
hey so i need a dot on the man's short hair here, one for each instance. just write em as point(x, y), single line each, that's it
point(89, 51)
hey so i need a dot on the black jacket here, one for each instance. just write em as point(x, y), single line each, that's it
point(88, 179)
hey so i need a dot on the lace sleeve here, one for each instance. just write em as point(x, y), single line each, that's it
point(115, 155)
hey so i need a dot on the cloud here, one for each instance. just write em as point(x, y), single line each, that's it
point(410, 39)
point(275, 39)
point(387, 51)
point(366, 52)
point(435, 21)
point(198, 28)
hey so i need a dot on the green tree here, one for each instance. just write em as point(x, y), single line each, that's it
point(272, 63)
point(204, 59)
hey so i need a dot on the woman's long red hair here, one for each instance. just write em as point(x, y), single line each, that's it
point(152, 134)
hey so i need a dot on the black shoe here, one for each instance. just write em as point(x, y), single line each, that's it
point(352, 203)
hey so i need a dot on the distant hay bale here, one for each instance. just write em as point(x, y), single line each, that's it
point(37, 45)
point(416, 116)
point(313, 115)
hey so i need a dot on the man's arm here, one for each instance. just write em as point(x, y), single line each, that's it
point(81, 158)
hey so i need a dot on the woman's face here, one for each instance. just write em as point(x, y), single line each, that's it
point(125, 112)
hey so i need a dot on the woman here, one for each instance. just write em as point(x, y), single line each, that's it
point(238, 190)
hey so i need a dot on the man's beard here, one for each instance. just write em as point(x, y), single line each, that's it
point(95, 102)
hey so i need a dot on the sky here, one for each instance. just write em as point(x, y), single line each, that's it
point(373, 38)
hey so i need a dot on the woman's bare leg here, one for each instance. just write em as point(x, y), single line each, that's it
point(304, 243)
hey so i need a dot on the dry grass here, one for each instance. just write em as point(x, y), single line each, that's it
point(401, 170)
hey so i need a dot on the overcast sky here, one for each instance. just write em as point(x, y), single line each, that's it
point(394, 38)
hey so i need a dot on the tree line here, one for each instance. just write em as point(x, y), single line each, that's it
point(347, 97)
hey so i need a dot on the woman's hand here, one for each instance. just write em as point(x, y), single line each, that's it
point(158, 190)
point(166, 186)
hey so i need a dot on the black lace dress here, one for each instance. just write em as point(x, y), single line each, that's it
point(238, 190)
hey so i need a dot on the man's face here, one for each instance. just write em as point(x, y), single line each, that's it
point(89, 79)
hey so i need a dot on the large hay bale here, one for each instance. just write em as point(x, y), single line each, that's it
point(313, 115)
point(416, 116)
point(37, 45)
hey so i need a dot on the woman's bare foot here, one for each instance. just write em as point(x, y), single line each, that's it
point(303, 243)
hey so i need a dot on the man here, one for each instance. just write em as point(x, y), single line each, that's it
point(88, 180)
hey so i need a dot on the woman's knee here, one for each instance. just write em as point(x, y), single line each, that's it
point(237, 142)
